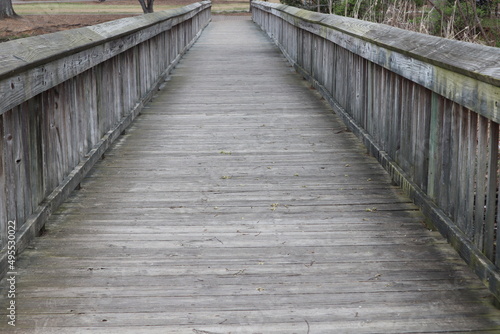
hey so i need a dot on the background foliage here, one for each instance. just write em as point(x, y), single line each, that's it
point(474, 21)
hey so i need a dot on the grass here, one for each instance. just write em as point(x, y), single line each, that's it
point(63, 8)
point(41, 18)
point(82, 8)
point(229, 8)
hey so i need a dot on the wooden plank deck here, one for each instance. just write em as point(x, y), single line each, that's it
point(238, 203)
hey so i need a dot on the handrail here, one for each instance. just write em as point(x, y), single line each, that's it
point(54, 58)
point(66, 96)
point(427, 108)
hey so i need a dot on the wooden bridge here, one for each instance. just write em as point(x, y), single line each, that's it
point(238, 201)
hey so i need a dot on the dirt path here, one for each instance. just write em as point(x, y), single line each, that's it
point(31, 25)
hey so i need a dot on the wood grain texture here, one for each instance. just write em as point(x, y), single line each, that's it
point(418, 117)
point(462, 72)
point(30, 66)
point(238, 202)
point(52, 139)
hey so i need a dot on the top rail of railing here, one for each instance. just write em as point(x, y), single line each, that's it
point(66, 96)
point(448, 67)
point(31, 65)
point(426, 107)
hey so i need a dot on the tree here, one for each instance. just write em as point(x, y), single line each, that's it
point(6, 9)
point(147, 5)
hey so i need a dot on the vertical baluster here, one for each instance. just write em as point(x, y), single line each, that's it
point(482, 170)
point(491, 202)
point(3, 188)
point(471, 171)
point(496, 237)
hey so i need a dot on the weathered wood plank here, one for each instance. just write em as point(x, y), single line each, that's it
point(472, 173)
point(9, 166)
point(142, 243)
point(33, 65)
point(481, 186)
point(430, 61)
point(492, 191)
point(63, 107)
point(430, 84)
point(3, 184)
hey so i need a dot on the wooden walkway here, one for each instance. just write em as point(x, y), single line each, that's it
point(238, 203)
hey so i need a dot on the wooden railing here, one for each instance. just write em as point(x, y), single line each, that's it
point(65, 97)
point(427, 108)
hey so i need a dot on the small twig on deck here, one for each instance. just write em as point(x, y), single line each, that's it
point(310, 264)
point(308, 327)
point(197, 331)
point(239, 272)
point(215, 238)
point(374, 278)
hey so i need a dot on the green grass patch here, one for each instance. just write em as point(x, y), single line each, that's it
point(490, 22)
point(82, 8)
point(64, 8)
point(229, 8)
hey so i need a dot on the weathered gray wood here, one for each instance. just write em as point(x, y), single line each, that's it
point(469, 76)
point(3, 185)
point(482, 158)
point(305, 232)
point(416, 112)
point(32, 65)
point(70, 102)
point(9, 166)
point(490, 220)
